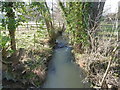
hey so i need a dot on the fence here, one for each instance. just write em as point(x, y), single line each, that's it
point(29, 26)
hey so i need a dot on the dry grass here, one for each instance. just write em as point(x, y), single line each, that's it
point(96, 61)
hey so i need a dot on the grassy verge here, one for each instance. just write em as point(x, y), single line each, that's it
point(30, 69)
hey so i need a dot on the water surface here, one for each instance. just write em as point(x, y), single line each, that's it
point(63, 72)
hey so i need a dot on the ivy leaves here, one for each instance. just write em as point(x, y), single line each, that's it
point(13, 14)
point(76, 15)
point(4, 40)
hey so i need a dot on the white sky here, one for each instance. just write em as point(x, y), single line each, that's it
point(112, 5)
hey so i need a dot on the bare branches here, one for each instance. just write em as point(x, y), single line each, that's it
point(109, 63)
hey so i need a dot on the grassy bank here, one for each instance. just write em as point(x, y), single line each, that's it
point(30, 69)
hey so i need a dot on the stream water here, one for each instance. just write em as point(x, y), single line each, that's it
point(62, 71)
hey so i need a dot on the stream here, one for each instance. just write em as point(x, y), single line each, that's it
point(62, 71)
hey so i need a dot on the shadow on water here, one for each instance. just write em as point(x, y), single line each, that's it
point(62, 71)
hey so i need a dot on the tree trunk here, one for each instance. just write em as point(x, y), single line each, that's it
point(11, 24)
point(95, 15)
point(12, 36)
point(50, 27)
point(4, 53)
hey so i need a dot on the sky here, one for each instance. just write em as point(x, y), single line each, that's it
point(112, 5)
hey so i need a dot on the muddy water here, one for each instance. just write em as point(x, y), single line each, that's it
point(63, 72)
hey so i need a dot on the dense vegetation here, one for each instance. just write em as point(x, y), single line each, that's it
point(27, 48)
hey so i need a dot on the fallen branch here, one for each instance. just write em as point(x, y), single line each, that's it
point(109, 63)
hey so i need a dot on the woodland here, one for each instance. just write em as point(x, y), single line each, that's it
point(28, 33)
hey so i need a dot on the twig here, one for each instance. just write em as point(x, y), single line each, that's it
point(106, 72)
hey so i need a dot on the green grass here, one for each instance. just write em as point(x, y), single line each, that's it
point(107, 31)
point(29, 38)
point(34, 57)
